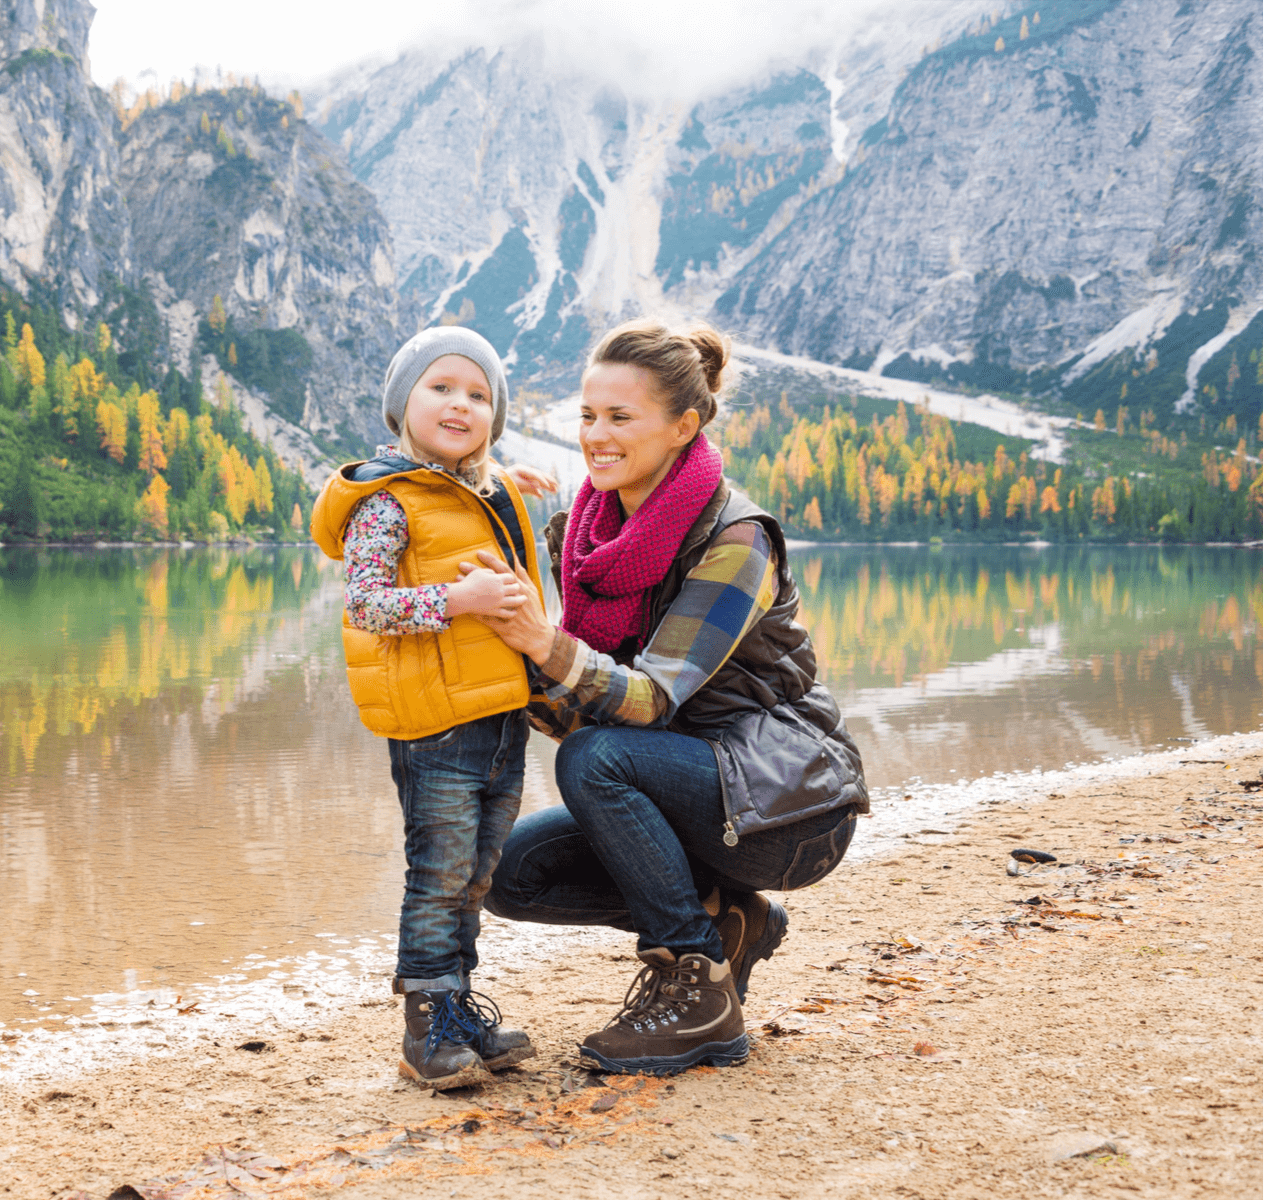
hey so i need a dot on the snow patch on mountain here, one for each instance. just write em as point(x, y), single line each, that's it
point(1136, 329)
point(991, 412)
point(1239, 319)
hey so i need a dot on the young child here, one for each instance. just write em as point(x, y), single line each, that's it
point(433, 679)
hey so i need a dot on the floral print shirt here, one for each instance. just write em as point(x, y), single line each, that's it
point(374, 542)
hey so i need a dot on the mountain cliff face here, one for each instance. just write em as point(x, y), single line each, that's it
point(1041, 199)
point(497, 180)
point(539, 208)
point(63, 218)
point(142, 222)
point(232, 196)
point(1030, 189)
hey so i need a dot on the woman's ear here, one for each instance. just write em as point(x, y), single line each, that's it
point(687, 427)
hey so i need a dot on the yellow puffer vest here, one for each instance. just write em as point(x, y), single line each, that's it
point(419, 684)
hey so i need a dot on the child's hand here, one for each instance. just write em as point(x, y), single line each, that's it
point(530, 480)
point(485, 593)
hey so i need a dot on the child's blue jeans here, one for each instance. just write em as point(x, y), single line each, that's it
point(460, 792)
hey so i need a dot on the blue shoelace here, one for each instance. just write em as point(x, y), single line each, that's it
point(461, 1020)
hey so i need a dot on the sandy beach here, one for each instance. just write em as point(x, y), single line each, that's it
point(933, 1027)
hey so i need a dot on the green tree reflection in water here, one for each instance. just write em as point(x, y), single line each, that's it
point(1186, 618)
point(102, 640)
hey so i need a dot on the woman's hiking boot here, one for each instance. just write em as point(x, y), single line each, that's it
point(751, 927)
point(441, 1041)
point(679, 1013)
point(499, 1047)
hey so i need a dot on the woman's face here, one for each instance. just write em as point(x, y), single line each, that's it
point(628, 439)
point(449, 413)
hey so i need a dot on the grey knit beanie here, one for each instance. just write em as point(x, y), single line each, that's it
point(416, 354)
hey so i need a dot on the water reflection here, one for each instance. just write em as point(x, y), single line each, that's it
point(188, 800)
point(188, 795)
point(106, 639)
point(971, 660)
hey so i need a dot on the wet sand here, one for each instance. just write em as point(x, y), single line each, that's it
point(931, 1028)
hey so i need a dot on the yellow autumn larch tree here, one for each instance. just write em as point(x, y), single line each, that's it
point(30, 362)
point(112, 426)
point(177, 432)
point(263, 486)
point(218, 317)
point(153, 506)
point(153, 455)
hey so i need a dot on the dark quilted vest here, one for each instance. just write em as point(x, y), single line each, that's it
point(783, 748)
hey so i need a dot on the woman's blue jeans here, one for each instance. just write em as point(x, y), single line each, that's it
point(641, 839)
point(460, 791)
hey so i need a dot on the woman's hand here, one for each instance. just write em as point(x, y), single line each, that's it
point(485, 593)
point(526, 629)
point(530, 480)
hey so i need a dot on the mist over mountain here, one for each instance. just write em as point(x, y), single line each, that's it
point(536, 198)
point(1031, 200)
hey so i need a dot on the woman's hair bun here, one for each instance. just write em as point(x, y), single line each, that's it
point(713, 349)
point(687, 366)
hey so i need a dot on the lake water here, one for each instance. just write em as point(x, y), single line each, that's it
point(190, 808)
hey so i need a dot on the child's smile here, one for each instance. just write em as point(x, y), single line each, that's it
point(449, 414)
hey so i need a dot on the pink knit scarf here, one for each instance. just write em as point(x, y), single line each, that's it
point(608, 564)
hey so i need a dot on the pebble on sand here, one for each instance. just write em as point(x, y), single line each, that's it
point(1079, 1145)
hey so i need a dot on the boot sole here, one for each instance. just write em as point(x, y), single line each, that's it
point(774, 934)
point(711, 1054)
point(509, 1058)
point(470, 1076)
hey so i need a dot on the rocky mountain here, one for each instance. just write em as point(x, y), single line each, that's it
point(142, 217)
point(1039, 195)
point(1059, 199)
point(539, 203)
point(63, 215)
point(232, 196)
point(1053, 198)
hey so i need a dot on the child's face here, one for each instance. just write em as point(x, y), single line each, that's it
point(449, 414)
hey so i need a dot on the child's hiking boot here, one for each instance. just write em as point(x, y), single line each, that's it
point(499, 1047)
point(441, 1041)
point(678, 1013)
point(751, 927)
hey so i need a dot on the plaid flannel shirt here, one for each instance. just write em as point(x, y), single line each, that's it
point(733, 586)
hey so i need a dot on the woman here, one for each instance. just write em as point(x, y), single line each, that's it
point(700, 761)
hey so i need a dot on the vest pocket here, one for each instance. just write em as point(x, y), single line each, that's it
point(370, 671)
point(449, 660)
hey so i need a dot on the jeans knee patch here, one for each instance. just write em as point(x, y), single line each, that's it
point(818, 856)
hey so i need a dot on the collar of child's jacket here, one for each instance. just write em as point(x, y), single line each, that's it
point(469, 478)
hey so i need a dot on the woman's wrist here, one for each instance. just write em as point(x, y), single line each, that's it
point(541, 648)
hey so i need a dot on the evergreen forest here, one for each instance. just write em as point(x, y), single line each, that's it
point(93, 449)
point(870, 471)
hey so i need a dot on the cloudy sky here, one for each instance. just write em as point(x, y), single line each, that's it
point(656, 42)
